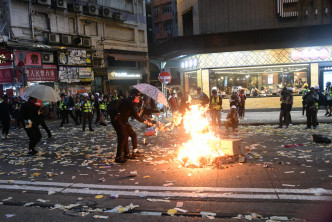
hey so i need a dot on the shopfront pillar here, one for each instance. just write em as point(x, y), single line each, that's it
point(199, 78)
point(314, 73)
point(206, 81)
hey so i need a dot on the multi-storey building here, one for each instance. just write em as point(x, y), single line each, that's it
point(82, 43)
point(258, 45)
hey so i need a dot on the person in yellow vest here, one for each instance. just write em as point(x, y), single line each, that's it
point(78, 110)
point(63, 110)
point(102, 108)
point(87, 112)
point(215, 107)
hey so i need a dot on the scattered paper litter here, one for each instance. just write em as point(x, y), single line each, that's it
point(156, 200)
point(208, 215)
point(151, 213)
point(179, 204)
point(277, 218)
point(100, 217)
point(120, 209)
point(10, 215)
point(288, 185)
point(172, 212)
point(181, 210)
point(9, 198)
point(42, 201)
point(289, 172)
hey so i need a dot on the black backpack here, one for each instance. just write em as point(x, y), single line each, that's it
point(113, 108)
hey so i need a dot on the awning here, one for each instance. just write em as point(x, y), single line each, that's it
point(124, 57)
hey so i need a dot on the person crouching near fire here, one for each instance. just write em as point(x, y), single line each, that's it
point(232, 119)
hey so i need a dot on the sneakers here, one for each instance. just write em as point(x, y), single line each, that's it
point(137, 154)
point(130, 157)
point(314, 127)
point(103, 124)
point(32, 152)
point(91, 130)
point(49, 137)
point(120, 160)
point(278, 127)
point(327, 113)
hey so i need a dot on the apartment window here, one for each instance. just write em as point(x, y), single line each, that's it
point(168, 26)
point(167, 9)
point(157, 28)
point(155, 12)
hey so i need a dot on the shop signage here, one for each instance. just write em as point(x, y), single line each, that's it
point(124, 75)
point(74, 57)
point(29, 58)
point(68, 74)
point(6, 75)
point(311, 54)
point(165, 77)
point(5, 58)
point(84, 72)
point(41, 74)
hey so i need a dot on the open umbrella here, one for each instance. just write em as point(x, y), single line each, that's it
point(152, 92)
point(44, 93)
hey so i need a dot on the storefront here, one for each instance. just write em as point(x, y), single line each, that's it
point(261, 73)
point(75, 71)
point(6, 72)
point(123, 80)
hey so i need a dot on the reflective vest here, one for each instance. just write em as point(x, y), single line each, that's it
point(87, 107)
point(215, 101)
point(62, 106)
point(327, 91)
point(78, 106)
point(102, 106)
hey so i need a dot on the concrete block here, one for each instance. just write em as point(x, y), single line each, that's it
point(232, 147)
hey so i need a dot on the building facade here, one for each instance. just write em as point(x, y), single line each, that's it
point(259, 45)
point(90, 45)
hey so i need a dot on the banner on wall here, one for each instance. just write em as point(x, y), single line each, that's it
point(68, 74)
point(41, 74)
point(28, 58)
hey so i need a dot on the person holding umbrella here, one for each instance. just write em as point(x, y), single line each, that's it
point(30, 115)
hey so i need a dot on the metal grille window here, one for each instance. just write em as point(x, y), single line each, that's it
point(168, 26)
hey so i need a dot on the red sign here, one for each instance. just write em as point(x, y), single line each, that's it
point(29, 58)
point(6, 75)
point(165, 77)
point(41, 74)
point(5, 58)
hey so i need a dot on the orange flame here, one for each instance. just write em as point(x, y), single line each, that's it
point(203, 147)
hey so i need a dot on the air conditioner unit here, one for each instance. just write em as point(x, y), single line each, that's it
point(77, 40)
point(66, 40)
point(93, 10)
point(118, 16)
point(106, 12)
point(48, 57)
point(45, 2)
point(61, 3)
point(86, 42)
point(54, 38)
point(75, 7)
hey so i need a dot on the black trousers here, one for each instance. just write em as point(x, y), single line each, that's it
point(285, 113)
point(64, 117)
point(87, 115)
point(70, 113)
point(241, 110)
point(311, 117)
point(5, 127)
point(43, 124)
point(98, 115)
point(78, 115)
point(121, 133)
point(34, 136)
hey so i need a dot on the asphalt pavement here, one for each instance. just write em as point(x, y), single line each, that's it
point(285, 176)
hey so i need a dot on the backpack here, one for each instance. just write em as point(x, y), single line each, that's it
point(113, 108)
point(71, 102)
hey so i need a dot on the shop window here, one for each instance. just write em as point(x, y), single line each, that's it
point(260, 81)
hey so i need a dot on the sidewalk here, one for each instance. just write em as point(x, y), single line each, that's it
point(271, 118)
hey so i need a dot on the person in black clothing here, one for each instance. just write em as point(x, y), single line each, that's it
point(96, 107)
point(311, 104)
point(119, 120)
point(41, 121)
point(30, 115)
point(5, 111)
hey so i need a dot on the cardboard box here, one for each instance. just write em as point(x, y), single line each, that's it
point(232, 147)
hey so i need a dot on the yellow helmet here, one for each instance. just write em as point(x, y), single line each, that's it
point(305, 85)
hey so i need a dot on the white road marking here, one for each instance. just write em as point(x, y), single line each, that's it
point(162, 188)
point(155, 191)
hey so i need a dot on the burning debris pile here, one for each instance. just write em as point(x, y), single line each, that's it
point(204, 147)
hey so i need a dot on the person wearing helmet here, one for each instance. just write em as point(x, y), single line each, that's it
point(311, 100)
point(305, 90)
point(126, 108)
point(328, 94)
point(215, 107)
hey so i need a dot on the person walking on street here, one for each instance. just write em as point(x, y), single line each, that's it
point(30, 116)
point(96, 107)
point(174, 103)
point(6, 111)
point(328, 94)
point(286, 99)
point(215, 107)
point(78, 110)
point(41, 121)
point(63, 110)
point(311, 102)
point(242, 103)
point(87, 112)
point(305, 90)
point(70, 104)
point(102, 108)
point(119, 119)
